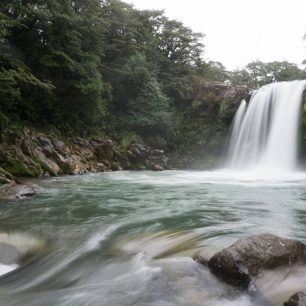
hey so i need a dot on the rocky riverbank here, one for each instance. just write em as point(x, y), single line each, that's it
point(34, 154)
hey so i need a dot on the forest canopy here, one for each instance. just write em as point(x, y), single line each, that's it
point(102, 66)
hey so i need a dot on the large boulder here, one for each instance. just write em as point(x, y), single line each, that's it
point(48, 164)
point(66, 164)
point(250, 255)
point(298, 299)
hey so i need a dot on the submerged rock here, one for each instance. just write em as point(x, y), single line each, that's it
point(298, 299)
point(250, 255)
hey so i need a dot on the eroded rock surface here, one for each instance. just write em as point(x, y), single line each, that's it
point(298, 299)
point(250, 255)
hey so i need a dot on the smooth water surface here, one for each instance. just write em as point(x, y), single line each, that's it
point(128, 238)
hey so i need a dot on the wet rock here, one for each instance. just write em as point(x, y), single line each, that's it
point(27, 146)
point(58, 144)
point(14, 191)
point(45, 143)
point(5, 174)
point(100, 167)
point(115, 166)
point(298, 299)
point(105, 150)
point(67, 165)
point(142, 157)
point(49, 165)
point(4, 180)
point(250, 255)
point(153, 166)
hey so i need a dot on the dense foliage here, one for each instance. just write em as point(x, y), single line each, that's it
point(103, 67)
point(257, 73)
point(92, 64)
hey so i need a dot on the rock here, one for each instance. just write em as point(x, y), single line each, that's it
point(107, 164)
point(158, 168)
point(142, 157)
point(47, 163)
point(250, 255)
point(15, 191)
point(4, 180)
point(223, 91)
point(58, 144)
point(115, 166)
point(6, 174)
point(67, 165)
point(298, 299)
point(26, 146)
point(10, 189)
point(105, 150)
point(45, 143)
point(150, 165)
point(100, 167)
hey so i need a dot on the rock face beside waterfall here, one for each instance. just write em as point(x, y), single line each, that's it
point(248, 256)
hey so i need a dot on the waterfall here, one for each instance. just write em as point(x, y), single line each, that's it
point(265, 132)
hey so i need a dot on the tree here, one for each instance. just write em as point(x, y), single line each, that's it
point(257, 73)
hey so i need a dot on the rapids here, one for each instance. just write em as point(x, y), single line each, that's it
point(127, 238)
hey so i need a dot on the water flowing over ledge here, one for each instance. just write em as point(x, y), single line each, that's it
point(265, 132)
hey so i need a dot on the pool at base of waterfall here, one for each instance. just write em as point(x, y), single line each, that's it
point(128, 238)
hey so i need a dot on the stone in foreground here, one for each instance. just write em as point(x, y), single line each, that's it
point(250, 255)
point(298, 299)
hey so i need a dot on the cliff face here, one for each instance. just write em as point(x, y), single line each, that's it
point(204, 125)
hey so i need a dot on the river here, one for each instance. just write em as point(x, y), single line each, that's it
point(128, 238)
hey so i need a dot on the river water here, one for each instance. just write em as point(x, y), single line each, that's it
point(128, 238)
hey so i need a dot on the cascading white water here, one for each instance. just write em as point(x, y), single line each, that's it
point(265, 132)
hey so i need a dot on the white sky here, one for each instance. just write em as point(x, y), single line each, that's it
point(240, 31)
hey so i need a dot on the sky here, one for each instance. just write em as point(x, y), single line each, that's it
point(241, 31)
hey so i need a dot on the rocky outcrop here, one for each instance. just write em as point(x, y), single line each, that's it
point(142, 157)
point(34, 154)
point(223, 91)
point(298, 299)
point(247, 257)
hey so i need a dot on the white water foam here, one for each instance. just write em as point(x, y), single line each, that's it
point(4, 269)
point(265, 133)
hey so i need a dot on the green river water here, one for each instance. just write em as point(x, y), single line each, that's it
point(128, 238)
